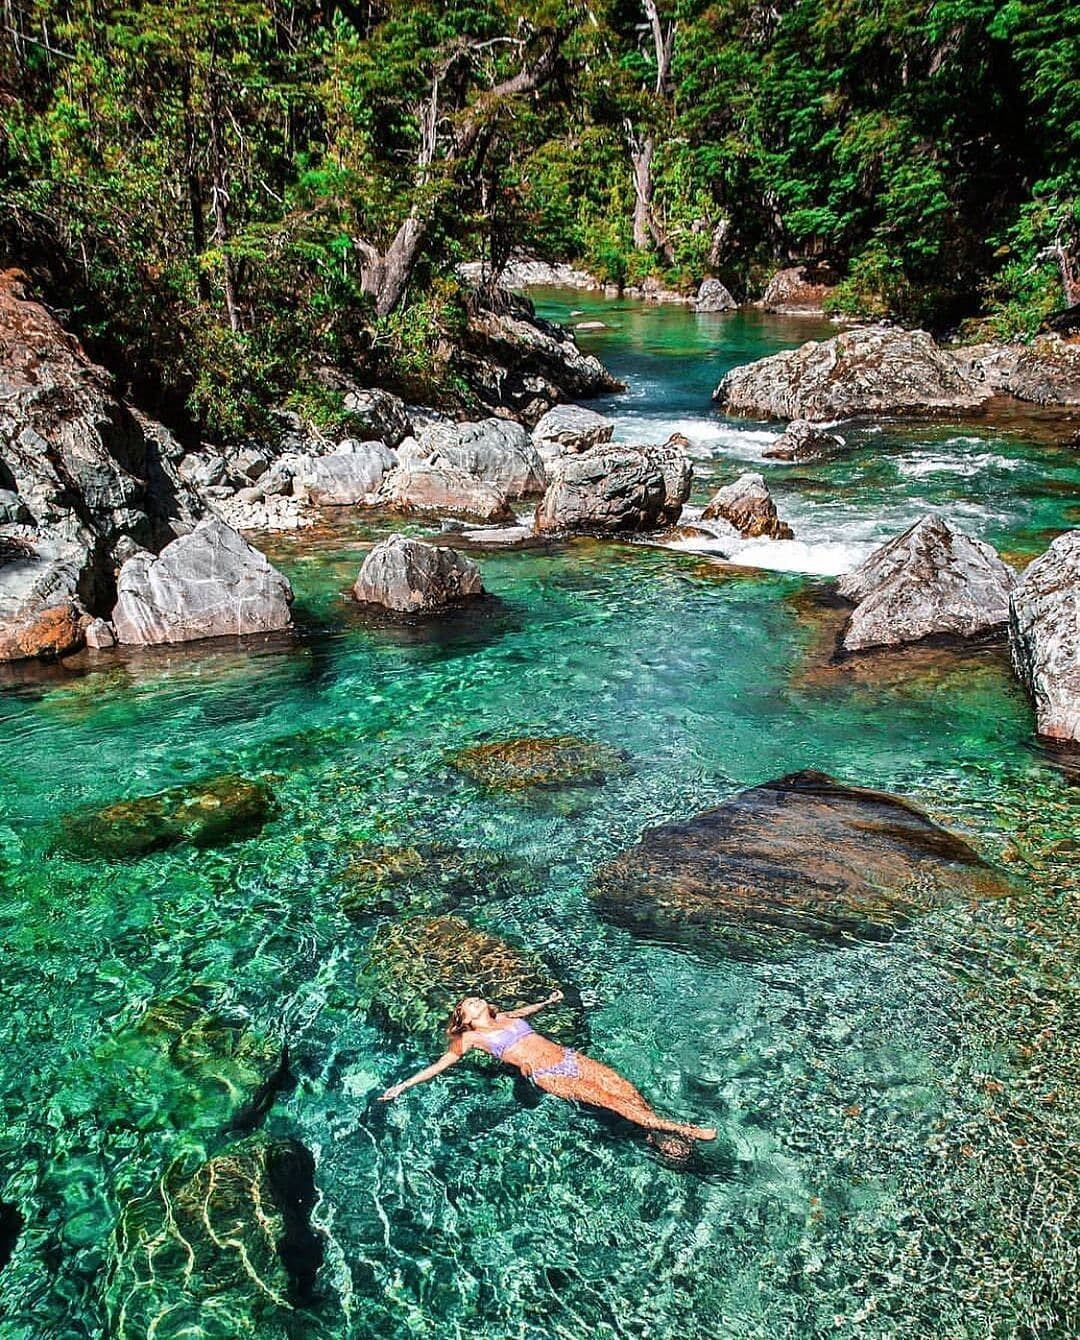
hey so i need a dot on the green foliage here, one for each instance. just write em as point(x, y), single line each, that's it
point(212, 187)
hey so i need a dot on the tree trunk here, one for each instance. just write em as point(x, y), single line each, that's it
point(648, 234)
point(219, 193)
point(385, 275)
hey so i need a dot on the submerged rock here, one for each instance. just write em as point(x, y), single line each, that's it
point(210, 583)
point(497, 451)
point(570, 428)
point(609, 488)
point(384, 878)
point(191, 1064)
point(748, 505)
point(801, 441)
point(540, 762)
point(872, 370)
point(40, 612)
point(225, 1247)
point(410, 576)
point(932, 579)
point(425, 486)
point(712, 296)
point(206, 814)
point(419, 969)
point(804, 857)
point(1044, 636)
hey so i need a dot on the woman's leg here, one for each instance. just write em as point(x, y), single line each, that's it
point(600, 1086)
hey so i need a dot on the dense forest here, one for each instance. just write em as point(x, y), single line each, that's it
point(232, 192)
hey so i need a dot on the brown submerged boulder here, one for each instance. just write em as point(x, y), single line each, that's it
point(206, 814)
point(540, 763)
point(803, 858)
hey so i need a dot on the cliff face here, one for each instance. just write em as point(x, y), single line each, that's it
point(83, 477)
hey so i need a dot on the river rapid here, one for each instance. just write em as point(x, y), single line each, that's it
point(897, 1149)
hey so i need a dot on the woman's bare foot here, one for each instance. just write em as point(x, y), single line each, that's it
point(700, 1132)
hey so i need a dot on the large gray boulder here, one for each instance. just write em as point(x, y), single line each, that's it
point(425, 486)
point(932, 579)
point(39, 605)
point(802, 441)
point(1047, 371)
point(379, 415)
point(569, 428)
point(748, 505)
point(1044, 636)
point(410, 576)
point(712, 296)
point(497, 451)
point(872, 370)
point(610, 488)
point(209, 583)
point(350, 475)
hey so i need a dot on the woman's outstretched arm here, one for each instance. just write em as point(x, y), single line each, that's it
point(429, 1072)
point(526, 1010)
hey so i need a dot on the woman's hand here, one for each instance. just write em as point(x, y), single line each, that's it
point(392, 1092)
point(555, 997)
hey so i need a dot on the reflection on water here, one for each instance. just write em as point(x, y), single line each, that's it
point(897, 1148)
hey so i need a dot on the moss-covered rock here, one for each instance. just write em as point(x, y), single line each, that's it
point(421, 967)
point(206, 814)
point(219, 1247)
point(209, 1069)
point(540, 762)
point(800, 859)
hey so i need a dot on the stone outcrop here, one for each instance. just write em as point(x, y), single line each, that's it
point(209, 583)
point(351, 474)
point(411, 577)
point(1044, 637)
point(513, 359)
point(609, 488)
point(540, 762)
point(377, 415)
point(931, 580)
point(527, 272)
point(570, 428)
point(421, 967)
point(497, 451)
point(796, 860)
point(677, 470)
point(1047, 372)
point(871, 370)
point(425, 486)
point(712, 296)
point(227, 1238)
point(81, 474)
point(802, 440)
point(798, 290)
point(748, 505)
point(209, 813)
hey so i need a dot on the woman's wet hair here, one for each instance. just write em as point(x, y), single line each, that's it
point(457, 1023)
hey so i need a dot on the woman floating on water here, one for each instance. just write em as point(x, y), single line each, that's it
point(556, 1069)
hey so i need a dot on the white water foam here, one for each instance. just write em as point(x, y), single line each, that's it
point(707, 437)
point(922, 463)
point(822, 558)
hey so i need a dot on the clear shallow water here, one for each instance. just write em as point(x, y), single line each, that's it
point(897, 1151)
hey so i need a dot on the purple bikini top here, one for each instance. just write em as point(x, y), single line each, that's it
point(499, 1040)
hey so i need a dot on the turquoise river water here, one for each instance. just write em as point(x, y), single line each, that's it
point(897, 1150)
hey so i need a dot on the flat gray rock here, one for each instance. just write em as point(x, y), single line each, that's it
point(1044, 636)
point(350, 475)
point(568, 428)
point(209, 583)
point(932, 579)
point(425, 486)
point(802, 440)
point(871, 370)
point(410, 576)
point(497, 451)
